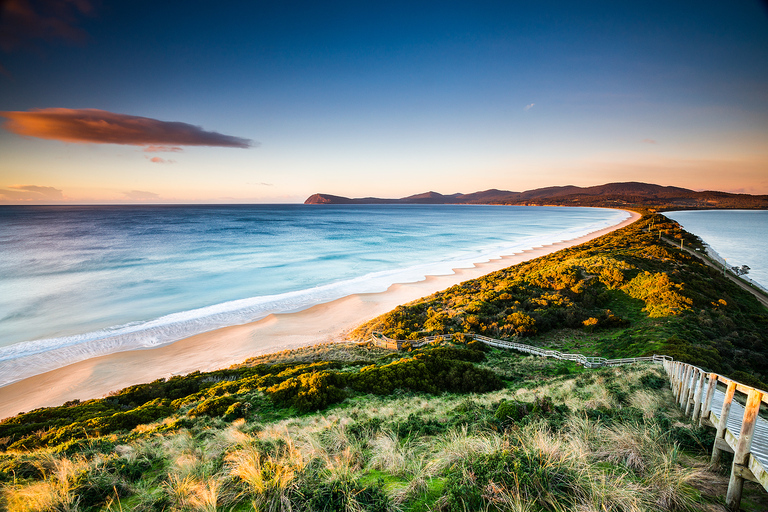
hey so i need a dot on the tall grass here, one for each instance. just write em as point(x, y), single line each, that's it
point(361, 457)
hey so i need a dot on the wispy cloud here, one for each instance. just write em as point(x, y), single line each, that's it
point(158, 160)
point(141, 195)
point(648, 141)
point(529, 106)
point(92, 126)
point(163, 149)
point(30, 193)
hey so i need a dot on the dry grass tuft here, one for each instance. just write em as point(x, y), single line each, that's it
point(55, 492)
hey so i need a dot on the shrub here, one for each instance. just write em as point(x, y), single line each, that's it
point(309, 391)
point(511, 411)
point(482, 482)
point(344, 495)
point(214, 406)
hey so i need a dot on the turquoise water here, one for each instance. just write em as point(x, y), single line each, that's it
point(738, 236)
point(78, 282)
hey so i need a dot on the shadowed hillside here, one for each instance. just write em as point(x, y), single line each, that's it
point(629, 195)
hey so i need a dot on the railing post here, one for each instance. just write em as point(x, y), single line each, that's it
point(743, 446)
point(674, 378)
point(677, 379)
point(691, 391)
point(723, 423)
point(681, 382)
point(685, 386)
point(697, 397)
point(708, 402)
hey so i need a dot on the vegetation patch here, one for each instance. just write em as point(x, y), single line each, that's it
point(629, 293)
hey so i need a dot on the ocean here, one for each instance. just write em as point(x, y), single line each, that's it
point(81, 281)
point(739, 237)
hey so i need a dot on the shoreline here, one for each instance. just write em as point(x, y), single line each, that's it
point(220, 348)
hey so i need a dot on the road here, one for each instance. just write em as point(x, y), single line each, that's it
point(758, 294)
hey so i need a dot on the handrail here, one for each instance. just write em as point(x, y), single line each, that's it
point(696, 392)
point(687, 382)
point(586, 361)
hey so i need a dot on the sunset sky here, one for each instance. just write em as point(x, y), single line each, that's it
point(140, 101)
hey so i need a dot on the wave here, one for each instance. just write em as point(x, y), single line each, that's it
point(22, 360)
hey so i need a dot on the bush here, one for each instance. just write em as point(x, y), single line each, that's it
point(541, 482)
point(214, 407)
point(418, 426)
point(649, 381)
point(511, 411)
point(344, 495)
point(310, 391)
point(434, 371)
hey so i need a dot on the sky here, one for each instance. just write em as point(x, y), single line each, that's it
point(270, 102)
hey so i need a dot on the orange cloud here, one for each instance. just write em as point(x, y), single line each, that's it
point(92, 126)
point(158, 160)
point(167, 149)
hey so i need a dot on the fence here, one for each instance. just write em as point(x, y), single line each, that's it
point(740, 430)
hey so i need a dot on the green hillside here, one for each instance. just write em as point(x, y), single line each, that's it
point(629, 293)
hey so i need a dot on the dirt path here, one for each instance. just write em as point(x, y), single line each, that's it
point(761, 297)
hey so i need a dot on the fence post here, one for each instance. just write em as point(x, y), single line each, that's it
point(743, 446)
point(697, 398)
point(721, 426)
point(684, 379)
point(708, 402)
point(691, 391)
point(678, 380)
point(673, 377)
point(686, 386)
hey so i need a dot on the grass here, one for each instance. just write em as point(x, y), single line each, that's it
point(625, 294)
point(610, 439)
point(444, 428)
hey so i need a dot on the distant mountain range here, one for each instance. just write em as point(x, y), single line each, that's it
point(612, 195)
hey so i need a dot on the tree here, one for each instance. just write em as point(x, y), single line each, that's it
point(741, 271)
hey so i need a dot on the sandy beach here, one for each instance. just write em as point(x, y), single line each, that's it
point(220, 348)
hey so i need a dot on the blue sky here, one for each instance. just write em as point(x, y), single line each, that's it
point(391, 99)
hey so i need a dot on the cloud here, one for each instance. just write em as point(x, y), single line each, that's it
point(158, 160)
point(22, 21)
point(92, 126)
point(30, 193)
point(528, 107)
point(141, 195)
point(165, 149)
point(648, 141)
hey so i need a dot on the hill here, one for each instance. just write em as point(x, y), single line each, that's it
point(451, 427)
point(630, 194)
point(626, 293)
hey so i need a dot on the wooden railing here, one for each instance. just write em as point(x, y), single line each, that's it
point(740, 430)
point(588, 362)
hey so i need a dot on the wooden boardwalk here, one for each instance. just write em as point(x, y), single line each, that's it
point(716, 401)
point(708, 398)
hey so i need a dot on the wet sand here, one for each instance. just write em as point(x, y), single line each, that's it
point(220, 348)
